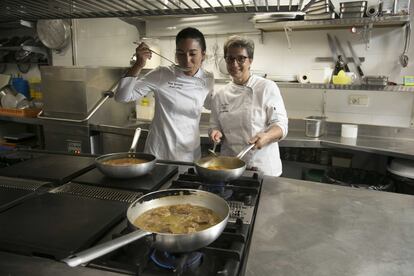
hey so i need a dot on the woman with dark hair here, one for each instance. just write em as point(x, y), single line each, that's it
point(248, 110)
point(180, 92)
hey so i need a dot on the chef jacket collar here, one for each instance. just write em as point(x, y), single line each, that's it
point(199, 74)
point(248, 85)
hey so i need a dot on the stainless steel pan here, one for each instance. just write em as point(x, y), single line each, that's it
point(175, 243)
point(234, 166)
point(126, 171)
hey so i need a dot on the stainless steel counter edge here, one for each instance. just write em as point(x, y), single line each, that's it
point(307, 228)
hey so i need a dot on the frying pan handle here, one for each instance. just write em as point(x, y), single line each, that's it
point(104, 248)
point(244, 151)
point(135, 140)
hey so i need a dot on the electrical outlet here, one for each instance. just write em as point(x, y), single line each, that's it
point(359, 100)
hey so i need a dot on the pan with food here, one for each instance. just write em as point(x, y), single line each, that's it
point(179, 220)
point(222, 168)
point(126, 164)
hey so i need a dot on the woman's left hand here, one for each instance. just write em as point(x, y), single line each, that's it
point(260, 140)
point(271, 135)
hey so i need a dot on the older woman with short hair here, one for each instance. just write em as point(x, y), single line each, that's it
point(248, 110)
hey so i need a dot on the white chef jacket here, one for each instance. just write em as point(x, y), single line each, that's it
point(242, 111)
point(174, 132)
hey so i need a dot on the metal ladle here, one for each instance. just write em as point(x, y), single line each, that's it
point(213, 151)
point(184, 69)
point(404, 57)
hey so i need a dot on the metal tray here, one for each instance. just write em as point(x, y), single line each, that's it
point(353, 9)
point(319, 10)
point(353, 4)
point(352, 15)
point(330, 15)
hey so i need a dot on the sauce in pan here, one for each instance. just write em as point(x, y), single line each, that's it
point(124, 161)
point(217, 168)
point(177, 219)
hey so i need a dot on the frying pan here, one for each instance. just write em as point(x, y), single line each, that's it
point(234, 166)
point(126, 171)
point(174, 243)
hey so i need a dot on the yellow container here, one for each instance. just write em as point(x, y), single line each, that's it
point(341, 78)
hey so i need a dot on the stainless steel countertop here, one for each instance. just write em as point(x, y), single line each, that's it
point(403, 148)
point(307, 228)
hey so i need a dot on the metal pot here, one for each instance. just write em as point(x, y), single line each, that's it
point(234, 166)
point(315, 126)
point(53, 33)
point(175, 243)
point(126, 171)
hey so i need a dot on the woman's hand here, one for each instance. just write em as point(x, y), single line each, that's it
point(142, 53)
point(260, 140)
point(216, 135)
point(271, 135)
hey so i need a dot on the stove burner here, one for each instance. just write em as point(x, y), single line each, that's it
point(218, 189)
point(177, 262)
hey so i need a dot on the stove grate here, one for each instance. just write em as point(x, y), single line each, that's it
point(97, 192)
point(22, 184)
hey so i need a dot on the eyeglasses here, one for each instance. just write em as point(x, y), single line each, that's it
point(240, 59)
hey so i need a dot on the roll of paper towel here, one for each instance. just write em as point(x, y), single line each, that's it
point(349, 131)
point(303, 78)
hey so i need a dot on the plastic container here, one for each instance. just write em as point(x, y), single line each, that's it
point(315, 126)
point(349, 131)
point(145, 108)
point(22, 86)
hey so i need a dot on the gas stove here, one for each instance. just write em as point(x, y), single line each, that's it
point(225, 256)
point(85, 194)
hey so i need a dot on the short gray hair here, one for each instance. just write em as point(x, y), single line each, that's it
point(236, 41)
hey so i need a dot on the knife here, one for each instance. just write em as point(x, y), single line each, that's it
point(333, 49)
point(300, 5)
point(342, 53)
point(357, 62)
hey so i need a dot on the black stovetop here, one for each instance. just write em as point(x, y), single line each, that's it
point(225, 256)
point(55, 168)
point(146, 183)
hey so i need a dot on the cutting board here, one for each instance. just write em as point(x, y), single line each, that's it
point(57, 225)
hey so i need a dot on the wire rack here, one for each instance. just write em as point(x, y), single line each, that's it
point(61, 9)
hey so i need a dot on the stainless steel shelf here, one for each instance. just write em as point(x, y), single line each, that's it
point(390, 88)
point(381, 21)
point(53, 9)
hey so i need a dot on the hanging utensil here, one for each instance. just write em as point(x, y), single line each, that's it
point(342, 53)
point(404, 57)
point(332, 46)
point(357, 61)
point(54, 33)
